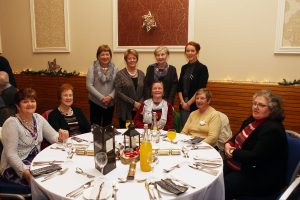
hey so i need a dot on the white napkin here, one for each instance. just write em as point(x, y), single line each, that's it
point(105, 192)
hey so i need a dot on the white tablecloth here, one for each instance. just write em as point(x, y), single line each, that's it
point(207, 186)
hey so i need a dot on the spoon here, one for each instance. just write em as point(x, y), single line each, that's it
point(80, 171)
point(124, 180)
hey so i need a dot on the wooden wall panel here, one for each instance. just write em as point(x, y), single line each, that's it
point(234, 99)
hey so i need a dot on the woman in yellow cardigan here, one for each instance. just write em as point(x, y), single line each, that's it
point(205, 121)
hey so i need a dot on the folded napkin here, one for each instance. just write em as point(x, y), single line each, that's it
point(172, 187)
point(195, 140)
point(105, 193)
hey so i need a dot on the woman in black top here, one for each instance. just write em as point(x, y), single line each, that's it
point(66, 116)
point(193, 76)
point(161, 71)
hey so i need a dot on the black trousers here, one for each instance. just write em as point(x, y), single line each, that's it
point(101, 116)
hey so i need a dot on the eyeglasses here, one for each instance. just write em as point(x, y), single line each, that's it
point(259, 105)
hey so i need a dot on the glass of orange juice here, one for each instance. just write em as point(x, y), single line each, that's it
point(128, 122)
point(171, 134)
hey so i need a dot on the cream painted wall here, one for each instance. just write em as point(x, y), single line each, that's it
point(237, 39)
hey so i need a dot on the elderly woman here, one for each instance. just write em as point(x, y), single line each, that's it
point(100, 85)
point(66, 116)
point(204, 122)
point(161, 71)
point(257, 155)
point(129, 87)
point(193, 76)
point(22, 136)
point(156, 104)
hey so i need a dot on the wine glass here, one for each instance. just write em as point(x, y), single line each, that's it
point(171, 134)
point(101, 160)
point(68, 146)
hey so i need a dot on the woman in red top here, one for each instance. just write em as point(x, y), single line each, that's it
point(156, 104)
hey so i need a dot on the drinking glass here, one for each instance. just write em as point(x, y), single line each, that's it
point(152, 161)
point(171, 134)
point(101, 160)
point(68, 146)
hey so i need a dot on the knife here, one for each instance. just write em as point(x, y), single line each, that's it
point(100, 189)
point(80, 189)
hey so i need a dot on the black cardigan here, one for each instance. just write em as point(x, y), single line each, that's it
point(170, 82)
point(264, 154)
point(57, 120)
point(197, 81)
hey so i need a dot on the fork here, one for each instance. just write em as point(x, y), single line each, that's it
point(56, 173)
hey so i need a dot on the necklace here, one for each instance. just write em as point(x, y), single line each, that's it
point(30, 126)
point(69, 112)
point(134, 74)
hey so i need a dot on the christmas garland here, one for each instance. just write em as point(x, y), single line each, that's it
point(48, 72)
point(285, 82)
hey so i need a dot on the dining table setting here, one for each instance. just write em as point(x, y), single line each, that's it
point(182, 168)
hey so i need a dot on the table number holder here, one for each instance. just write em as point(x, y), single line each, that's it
point(104, 141)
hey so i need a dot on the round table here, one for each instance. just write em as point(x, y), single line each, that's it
point(207, 186)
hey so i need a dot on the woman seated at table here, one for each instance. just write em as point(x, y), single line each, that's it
point(257, 156)
point(66, 116)
point(22, 135)
point(156, 104)
point(204, 122)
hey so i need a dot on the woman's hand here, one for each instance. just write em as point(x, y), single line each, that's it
point(228, 150)
point(106, 100)
point(27, 176)
point(185, 106)
point(63, 135)
point(137, 105)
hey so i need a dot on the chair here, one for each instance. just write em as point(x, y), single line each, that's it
point(10, 190)
point(45, 143)
point(225, 133)
point(293, 167)
point(177, 124)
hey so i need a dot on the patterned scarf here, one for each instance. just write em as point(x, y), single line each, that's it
point(239, 141)
point(149, 106)
point(103, 77)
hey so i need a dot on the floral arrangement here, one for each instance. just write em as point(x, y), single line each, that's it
point(53, 70)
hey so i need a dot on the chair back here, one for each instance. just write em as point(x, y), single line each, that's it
point(46, 113)
point(225, 132)
point(293, 157)
point(177, 124)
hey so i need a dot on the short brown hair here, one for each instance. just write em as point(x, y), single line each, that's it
point(25, 93)
point(131, 51)
point(194, 44)
point(205, 91)
point(102, 48)
point(62, 88)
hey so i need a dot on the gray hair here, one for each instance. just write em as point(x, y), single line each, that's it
point(161, 48)
point(275, 104)
point(3, 78)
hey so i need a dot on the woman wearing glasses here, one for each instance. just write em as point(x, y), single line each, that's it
point(257, 155)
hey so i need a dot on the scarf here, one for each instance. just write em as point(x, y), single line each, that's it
point(149, 106)
point(159, 74)
point(239, 141)
point(98, 72)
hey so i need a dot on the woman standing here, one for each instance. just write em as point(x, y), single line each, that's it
point(100, 85)
point(66, 116)
point(161, 71)
point(22, 136)
point(257, 156)
point(129, 88)
point(193, 76)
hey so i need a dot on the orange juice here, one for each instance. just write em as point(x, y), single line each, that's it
point(171, 134)
point(145, 151)
point(145, 156)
